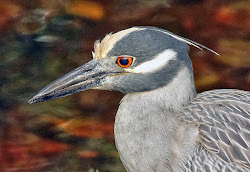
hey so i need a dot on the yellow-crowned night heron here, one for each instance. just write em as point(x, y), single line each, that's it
point(161, 123)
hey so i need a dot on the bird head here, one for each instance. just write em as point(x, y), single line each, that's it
point(132, 60)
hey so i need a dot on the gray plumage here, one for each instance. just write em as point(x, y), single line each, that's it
point(162, 124)
point(223, 120)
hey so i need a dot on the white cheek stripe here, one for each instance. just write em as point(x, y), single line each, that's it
point(158, 62)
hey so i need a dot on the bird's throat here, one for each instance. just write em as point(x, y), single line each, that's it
point(146, 121)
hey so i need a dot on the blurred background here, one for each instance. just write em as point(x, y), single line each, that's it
point(41, 40)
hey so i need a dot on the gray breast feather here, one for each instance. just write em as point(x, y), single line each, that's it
point(223, 117)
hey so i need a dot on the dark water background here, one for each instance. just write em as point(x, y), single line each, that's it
point(41, 40)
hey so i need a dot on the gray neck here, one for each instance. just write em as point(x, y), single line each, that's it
point(145, 124)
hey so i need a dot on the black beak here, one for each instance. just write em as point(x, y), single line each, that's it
point(82, 78)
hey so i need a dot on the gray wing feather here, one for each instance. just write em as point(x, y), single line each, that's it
point(223, 117)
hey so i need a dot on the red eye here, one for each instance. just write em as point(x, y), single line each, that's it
point(124, 61)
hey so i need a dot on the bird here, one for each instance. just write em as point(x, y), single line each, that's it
point(162, 123)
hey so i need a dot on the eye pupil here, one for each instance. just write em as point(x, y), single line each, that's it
point(124, 62)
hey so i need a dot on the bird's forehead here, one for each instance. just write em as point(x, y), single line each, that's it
point(140, 42)
point(101, 48)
